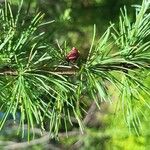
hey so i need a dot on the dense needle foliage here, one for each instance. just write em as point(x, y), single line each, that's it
point(36, 81)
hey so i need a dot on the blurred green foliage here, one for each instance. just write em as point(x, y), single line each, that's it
point(74, 19)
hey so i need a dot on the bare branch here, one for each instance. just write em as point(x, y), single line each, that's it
point(45, 139)
point(90, 112)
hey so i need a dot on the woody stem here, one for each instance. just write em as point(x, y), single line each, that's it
point(68, 70)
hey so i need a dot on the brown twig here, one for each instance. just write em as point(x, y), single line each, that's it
point(44, 139)
point(72, 70)
point(90, 113)
point(86, 120)
point(9, 73)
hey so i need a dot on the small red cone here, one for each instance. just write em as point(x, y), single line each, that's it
point(73, 55)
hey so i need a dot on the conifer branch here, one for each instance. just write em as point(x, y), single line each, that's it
point(73, 70)
point(43, 91)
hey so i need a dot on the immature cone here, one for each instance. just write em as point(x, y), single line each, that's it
point(73, 55)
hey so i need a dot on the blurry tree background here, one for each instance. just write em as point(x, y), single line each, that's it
point(74, 19)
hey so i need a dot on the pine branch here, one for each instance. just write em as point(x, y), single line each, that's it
point(71, 70)
point(43, 92)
